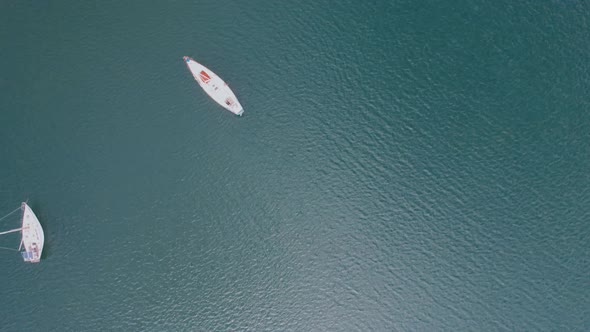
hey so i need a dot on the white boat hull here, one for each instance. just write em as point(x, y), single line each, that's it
point(33, 237)
point(214, 86)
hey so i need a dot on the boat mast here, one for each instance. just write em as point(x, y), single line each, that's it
point(11, 231)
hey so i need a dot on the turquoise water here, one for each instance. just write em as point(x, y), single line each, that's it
point(401, 166)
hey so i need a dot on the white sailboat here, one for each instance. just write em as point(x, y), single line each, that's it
point(32, 236)
point(214, 86)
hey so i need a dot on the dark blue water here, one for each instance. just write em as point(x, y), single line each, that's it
point(401, 166)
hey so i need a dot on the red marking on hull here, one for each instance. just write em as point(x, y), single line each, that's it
point(204, 77)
